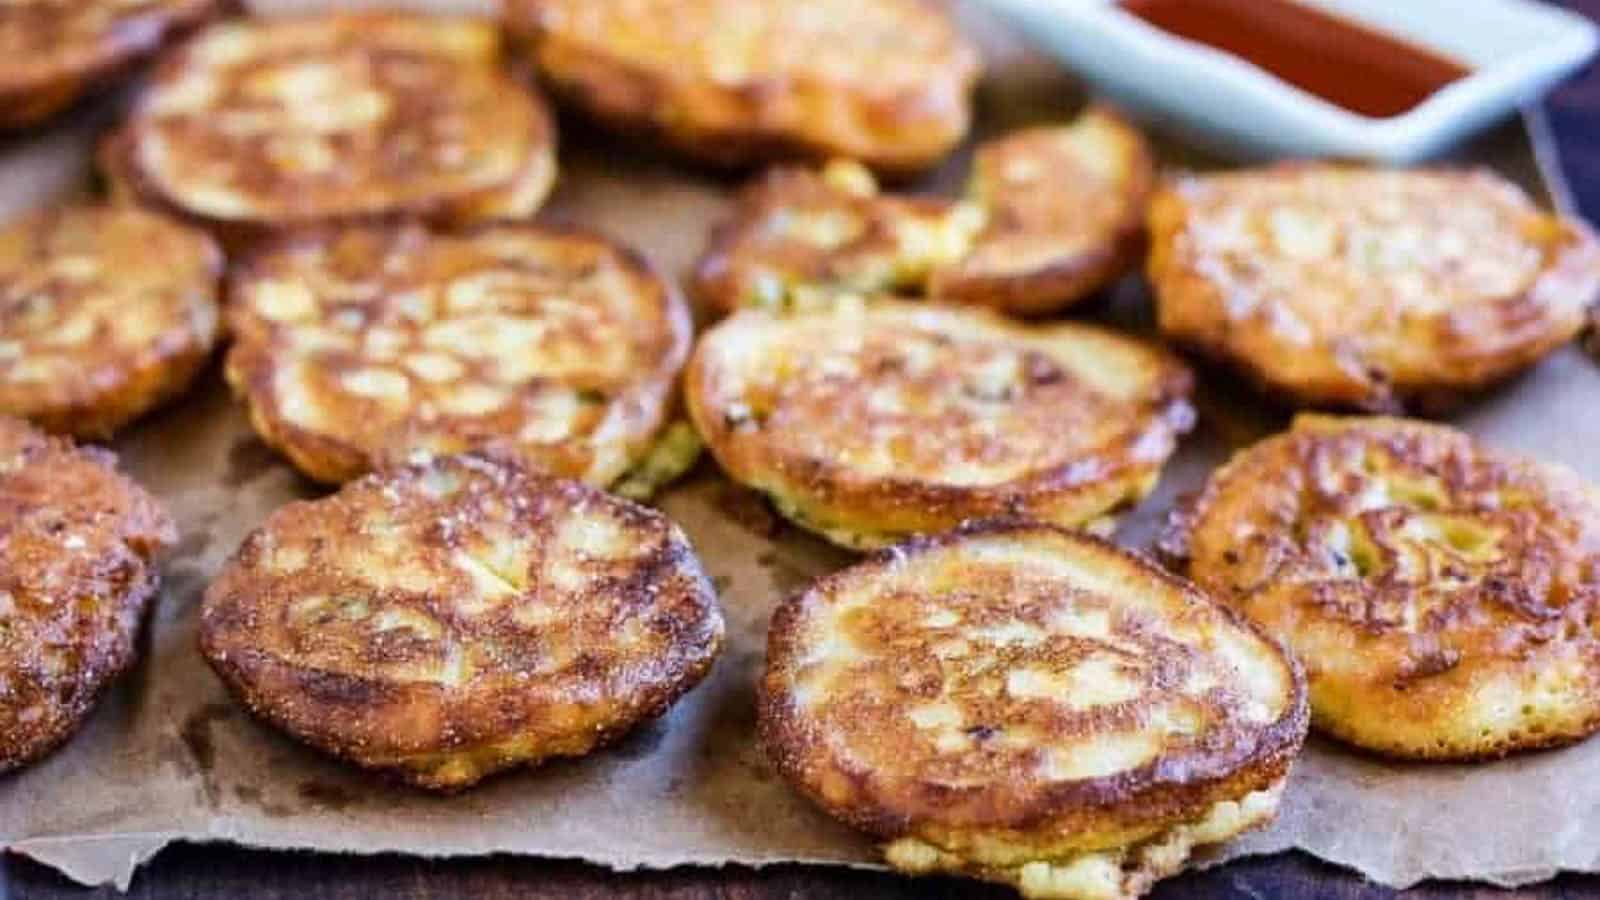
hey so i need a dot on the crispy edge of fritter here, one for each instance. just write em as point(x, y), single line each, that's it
point(143, 390)
point(1116, 873)
point(867, 514)
point(118, 655)
point(247, 368)
point(1190, 311)
point(20, 750)
point(1071, 279)
point(1049, 825)
point(350, 718)
point(732, 125)
point(1433, 719)
point(26, 102)
point(116, 160)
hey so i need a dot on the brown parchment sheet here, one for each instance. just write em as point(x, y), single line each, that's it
point(168, 757)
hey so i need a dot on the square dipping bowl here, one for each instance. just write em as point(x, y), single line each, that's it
point(1516, 50)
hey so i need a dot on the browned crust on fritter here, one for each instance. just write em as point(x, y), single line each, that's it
point(633, 408)
point(43, 71)
point(760, 113)
point(1431, 361)
point(1052, 214)
point(752, 247)
point(518, 197)
point(1030, 209)
point(1492, 558)
point(78, 543)
point(120, 304)
point(546, 663)
point(835, 496)
point(1007, 804)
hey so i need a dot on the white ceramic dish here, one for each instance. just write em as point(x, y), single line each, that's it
point(1517, 50)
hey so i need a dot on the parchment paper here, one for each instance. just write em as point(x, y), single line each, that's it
point(167, 757)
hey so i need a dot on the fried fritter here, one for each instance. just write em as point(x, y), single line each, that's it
point(78, 543)
point(1064, 211)
point(1052, 215)
point(870, 420)
point(798, 236)
point(730, 82)
point(1443, 596)
point(1357, 288)
point(360, 347)
point(268, 124)
point(54, 51)
point(446, 621)
point(1019, 703)
point(105, 313)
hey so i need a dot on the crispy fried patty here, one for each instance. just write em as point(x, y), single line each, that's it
point(886, 82)
point(77, 568)
point(361, 347)
point(1020, 703)
point(446, 621)
point(52, 51)
point(256, 125)
point(1443, 596)
point(1052, 214)
point(1064, 209)
point(1359, 288)
point(104, 314)
point(798, 236)
point(870, 420)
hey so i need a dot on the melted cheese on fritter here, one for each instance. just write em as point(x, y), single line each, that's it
point(1121, 873)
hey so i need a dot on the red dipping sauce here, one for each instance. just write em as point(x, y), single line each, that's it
point(1346, 63)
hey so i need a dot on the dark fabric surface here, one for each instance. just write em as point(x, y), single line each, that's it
point(1575, 118)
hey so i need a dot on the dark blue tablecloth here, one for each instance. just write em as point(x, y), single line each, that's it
point(1575, 119)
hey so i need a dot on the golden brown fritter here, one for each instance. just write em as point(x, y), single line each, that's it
point(798, 237)
point(257, 125)
point(730, 82)
point(1016, 702)
point(1443, 596)
point(53, 51)
point(1360, 288)
point(360, 347)
point(1052, 214)
point(105, 313)
point(446, 621)
point(870, 420)
point(1064, 209)
point(78, 543)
